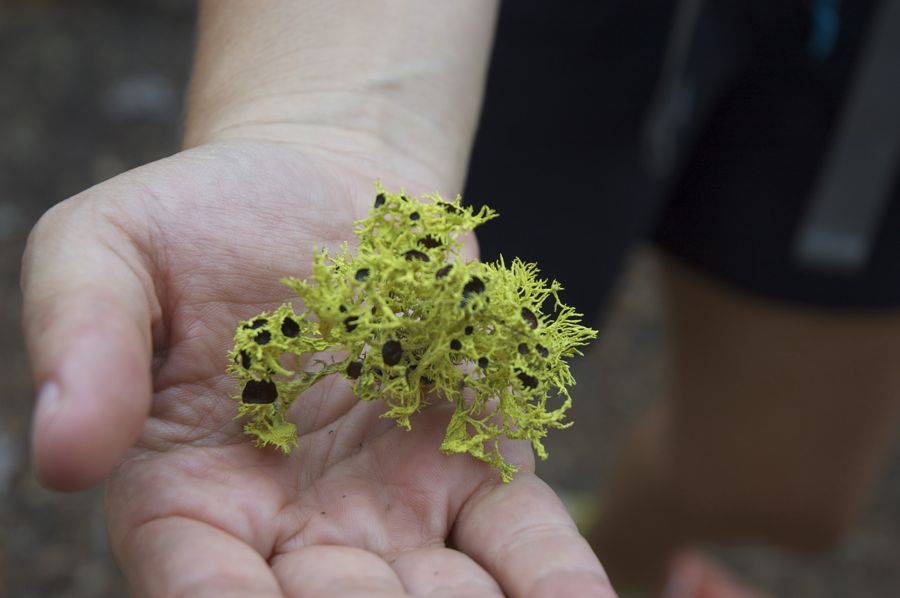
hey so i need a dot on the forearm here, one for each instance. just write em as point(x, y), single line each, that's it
point(397, 76)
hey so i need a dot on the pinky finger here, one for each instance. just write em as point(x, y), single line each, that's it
point(444, 573)
point(523, 536)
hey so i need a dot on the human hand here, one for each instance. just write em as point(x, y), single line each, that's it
point(156, 267)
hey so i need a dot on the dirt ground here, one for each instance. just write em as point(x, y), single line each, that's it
point(90, 89)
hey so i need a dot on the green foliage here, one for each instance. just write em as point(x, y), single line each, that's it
point(408, 322)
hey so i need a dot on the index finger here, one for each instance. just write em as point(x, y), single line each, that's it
point(523, 536)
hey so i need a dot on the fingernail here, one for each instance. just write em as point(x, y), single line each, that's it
point(48, 402)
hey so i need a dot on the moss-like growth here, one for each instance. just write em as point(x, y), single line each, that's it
point(407, 321)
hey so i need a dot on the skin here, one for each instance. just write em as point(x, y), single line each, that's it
point(777, 437)
point(132, 290)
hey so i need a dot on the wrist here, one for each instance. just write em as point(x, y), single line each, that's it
point(399, 78)
point(362, 132)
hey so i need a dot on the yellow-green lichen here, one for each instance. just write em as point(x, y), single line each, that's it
point(407, 321)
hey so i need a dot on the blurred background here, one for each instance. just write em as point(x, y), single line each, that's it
point(89, 89)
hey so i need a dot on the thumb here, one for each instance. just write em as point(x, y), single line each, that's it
point(87, 315)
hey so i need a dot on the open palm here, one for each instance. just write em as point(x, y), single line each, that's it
point(157, 266)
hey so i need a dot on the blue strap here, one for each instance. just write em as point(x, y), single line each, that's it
point(853, 188)
point(826, 25)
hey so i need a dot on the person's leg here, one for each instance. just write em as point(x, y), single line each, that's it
point(772, 429)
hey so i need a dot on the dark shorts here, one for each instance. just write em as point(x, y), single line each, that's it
point(562, 150)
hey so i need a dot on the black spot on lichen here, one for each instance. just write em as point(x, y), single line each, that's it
point(361, 274)
point(354, 369)
point(542, 350)
point(529, 317)
point(474, 286)
point(523, 349)
point(430, 242)
point(455, 345)
point(259, 392)
point(350, 323)
point(263, 337)
point(483, 362)
point(379, 200)
point(414, 216)
point(415, 254)
point(245, 359)
point(469, 330)
point(443, 271)
point(527, 380)
point(391, 352)
point(290, 328)
point(342, 308)
point(257, 323)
